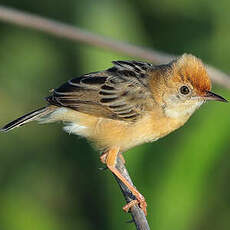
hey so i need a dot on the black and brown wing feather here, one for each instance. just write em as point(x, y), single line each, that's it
point(120, 92)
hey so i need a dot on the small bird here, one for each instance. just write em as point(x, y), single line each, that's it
point(126, 105)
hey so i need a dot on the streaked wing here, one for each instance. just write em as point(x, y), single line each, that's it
point(120, 92)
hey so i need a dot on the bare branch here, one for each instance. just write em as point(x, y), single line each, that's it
point(138, 215)
point(76, 34)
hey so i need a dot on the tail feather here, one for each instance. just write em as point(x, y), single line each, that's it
point(35, 115)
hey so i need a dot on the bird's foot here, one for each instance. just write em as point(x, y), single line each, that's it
point(139, 201)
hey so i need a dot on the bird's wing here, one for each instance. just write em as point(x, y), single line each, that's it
point(120, 92)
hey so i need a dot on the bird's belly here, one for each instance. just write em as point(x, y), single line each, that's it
point(107, 133)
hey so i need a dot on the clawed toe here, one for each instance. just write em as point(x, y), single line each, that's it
point(142, 204)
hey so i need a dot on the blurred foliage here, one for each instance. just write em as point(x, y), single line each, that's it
point(50, 180)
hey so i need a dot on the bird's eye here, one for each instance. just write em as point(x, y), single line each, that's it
point(184, 90)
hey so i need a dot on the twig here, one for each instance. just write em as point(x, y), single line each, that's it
point(138, 215)
point(76, 34)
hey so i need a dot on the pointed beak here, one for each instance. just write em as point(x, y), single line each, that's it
point(214, 97)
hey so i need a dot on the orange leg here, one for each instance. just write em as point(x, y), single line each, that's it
point(104, 156)
point(110, 158)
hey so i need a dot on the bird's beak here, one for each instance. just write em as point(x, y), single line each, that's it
point(214, 97)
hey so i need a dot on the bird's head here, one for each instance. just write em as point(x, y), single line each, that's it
point(185, 86)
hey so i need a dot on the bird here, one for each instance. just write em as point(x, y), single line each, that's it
point(126, 105)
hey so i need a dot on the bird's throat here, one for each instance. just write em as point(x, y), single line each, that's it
point(182, 111)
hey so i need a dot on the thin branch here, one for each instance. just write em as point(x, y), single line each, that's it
point(76, 34)
point(138, 215)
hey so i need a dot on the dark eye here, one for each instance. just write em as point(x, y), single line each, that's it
point(184, 90)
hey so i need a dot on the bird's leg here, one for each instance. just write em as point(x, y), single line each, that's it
point(110, 159)
point(104, 156)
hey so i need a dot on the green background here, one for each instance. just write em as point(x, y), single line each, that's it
point(50, 180)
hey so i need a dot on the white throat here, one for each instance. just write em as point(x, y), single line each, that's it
point(179, 111)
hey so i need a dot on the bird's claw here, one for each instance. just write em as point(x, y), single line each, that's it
point(141, 202)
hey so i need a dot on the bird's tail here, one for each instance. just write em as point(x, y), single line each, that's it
point(32, 116)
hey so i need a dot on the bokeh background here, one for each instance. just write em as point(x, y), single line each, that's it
point(51, 181)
